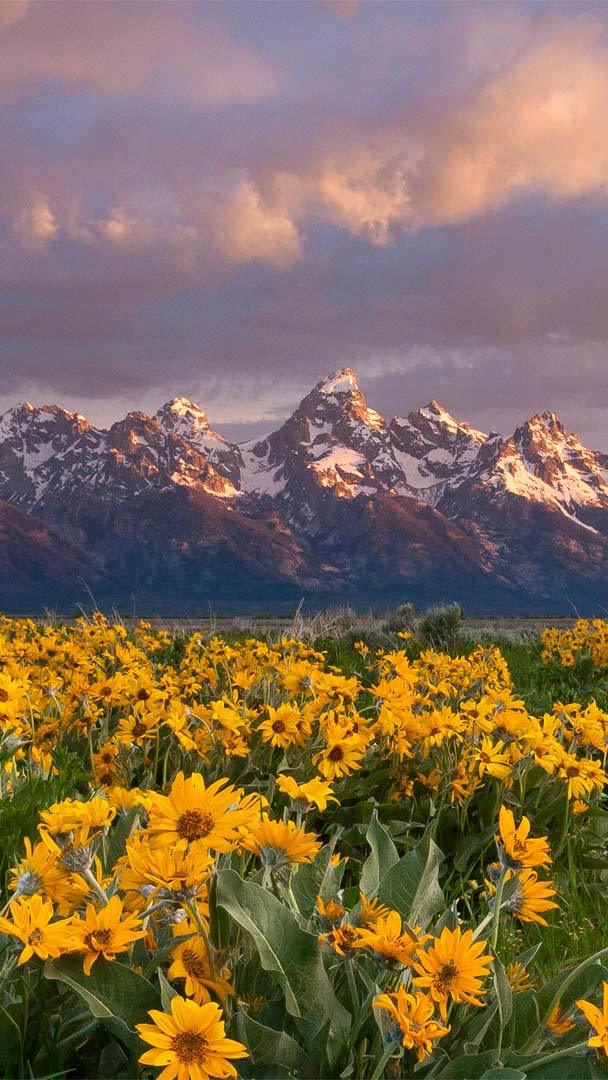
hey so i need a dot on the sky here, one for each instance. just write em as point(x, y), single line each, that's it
point(227, 201)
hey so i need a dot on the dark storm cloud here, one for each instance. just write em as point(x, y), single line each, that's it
point(228, 201)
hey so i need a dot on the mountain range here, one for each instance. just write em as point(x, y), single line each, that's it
point(161, 513)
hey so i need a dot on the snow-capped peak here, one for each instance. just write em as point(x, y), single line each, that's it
point(181, 409)
point(343, 381)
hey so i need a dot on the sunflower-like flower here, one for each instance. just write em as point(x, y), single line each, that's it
point(529, 898)
point(453, 967)
point(172, 874)
point(30, 922)
point(73, 824)
point(191, 812)
point(280, 844)
point(40, 872)
point(332, 911)
point(389, 940)
point(343, 940)
point(372, 910)
point(190, 961)
point(493, 759)
point(519, 978)
point(342, 755)
point(189, 1043)
point(315, 792)
point(558, 1023)
point(598, 1019)
point(103, 932)
point(519, 847)
point(413, 1014)
point(282, 725)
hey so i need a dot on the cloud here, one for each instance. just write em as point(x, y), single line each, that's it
point(162, 49)
point(246, 230)
point(540, 125)
point(37, 222)
point(12, 11)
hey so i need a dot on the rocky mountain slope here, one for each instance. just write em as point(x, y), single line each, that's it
point(335, 503)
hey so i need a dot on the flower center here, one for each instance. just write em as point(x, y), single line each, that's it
point(336, 753)
point(446, 975)
point(35, 937)
point(97, 940)
point(278, 725)
point(194, 825)
point(191, 1047)
point(139, 729)
point(4, 695)
point(194, 964)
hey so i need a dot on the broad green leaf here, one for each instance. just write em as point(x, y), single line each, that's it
point(469, 1066)
point(119, 834)
point(291, 954)
point(112, 990)
point(504, 994)
point(317, 878)
point(383, 855)
point(503, 1073)
point(411, 885)
point(167, 992)
point(10, 1040)
point(269, 1048)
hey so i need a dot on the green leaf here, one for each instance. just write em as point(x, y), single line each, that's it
point(383, 855)
point(10, 1040)
point(113, 991)
point(273, 1050)
point(287, 951)
point(317, 878)
point(469, 1066)
point(504, 994)
point(411, 885)
point(503, 1073)
point(119, 834)
point(167, 992)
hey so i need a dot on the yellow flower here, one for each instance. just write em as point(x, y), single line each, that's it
point(583, 775)
point(557, 1023)
point(190, 961)
point(342, 755)
point(282, 727)
point(414, 1015)
point(191, 812)
point(31, 924)
point(520, 848)
point(491, 758)
point(280, 844)
point(387, 939)
point(332, 910)
point(372, 910)
point(598, 1019)
point(343, 939)
point(147, 870)
point(453, 967)
point(519, 979)
point(315, 792)
point(103, 932)
point(189, 1044)
point(531, 896)
point(40, 871)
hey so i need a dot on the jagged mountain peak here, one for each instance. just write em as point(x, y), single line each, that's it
point(545, 423)
point(341, 381)
point(182, 408)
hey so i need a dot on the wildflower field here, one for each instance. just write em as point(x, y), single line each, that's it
point(294, 859)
